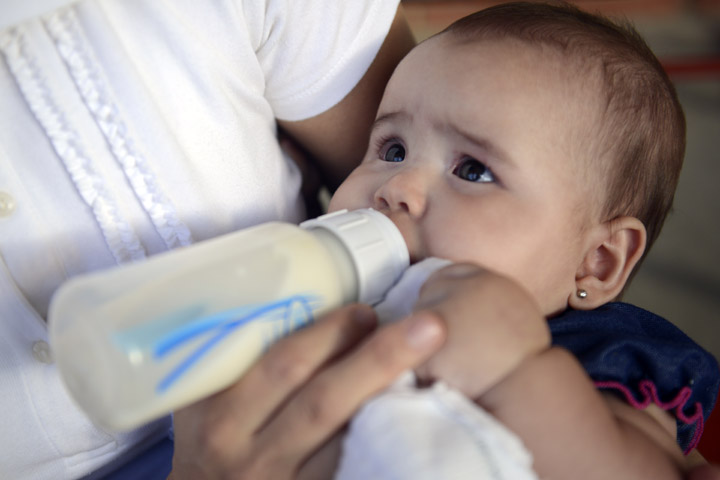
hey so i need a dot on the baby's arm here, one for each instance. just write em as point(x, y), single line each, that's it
point(498, 352)
point(573, 430)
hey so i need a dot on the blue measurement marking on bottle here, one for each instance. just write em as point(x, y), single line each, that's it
point(221, 324)
point(142, 337)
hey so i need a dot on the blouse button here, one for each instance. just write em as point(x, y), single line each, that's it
point(7, 204)
point(41, 352)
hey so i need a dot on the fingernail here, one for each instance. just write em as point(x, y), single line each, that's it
point(460, 270)
point(430, 298)
point(424, 332)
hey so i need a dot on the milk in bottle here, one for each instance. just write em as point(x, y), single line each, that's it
point(139, 341)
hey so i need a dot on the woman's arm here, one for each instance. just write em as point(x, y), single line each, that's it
point(337, 139)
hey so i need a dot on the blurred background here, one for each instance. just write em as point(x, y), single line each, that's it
point(680, 279)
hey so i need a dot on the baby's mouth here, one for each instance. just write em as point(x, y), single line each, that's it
point(408, 231)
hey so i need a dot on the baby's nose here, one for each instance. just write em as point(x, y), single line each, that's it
point(405, 191)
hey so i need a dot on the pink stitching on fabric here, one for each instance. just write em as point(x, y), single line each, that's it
point(649, 391)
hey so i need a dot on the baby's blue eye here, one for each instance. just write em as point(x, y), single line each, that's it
point(394, 153)
point(473, 171)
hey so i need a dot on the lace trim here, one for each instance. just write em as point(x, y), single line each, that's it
point(677, 405)
point(96, 94)
point(119, 236)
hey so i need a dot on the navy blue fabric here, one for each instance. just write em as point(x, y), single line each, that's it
point(622, 343)
point(154, 463)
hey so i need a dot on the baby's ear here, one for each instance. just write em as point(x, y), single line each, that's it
point(615, 247)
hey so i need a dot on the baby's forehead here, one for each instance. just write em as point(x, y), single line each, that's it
point(571, 78)
point(575, 63)
point(545, 81)
point(575, 89)
point(579, 78)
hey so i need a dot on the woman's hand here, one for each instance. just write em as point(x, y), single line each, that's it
point(297, 396)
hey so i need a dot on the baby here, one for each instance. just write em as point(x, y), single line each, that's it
point(538, 147)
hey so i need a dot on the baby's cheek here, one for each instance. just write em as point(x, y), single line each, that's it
point(335, 203)
point(346, 197)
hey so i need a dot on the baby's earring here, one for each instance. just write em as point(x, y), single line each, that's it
point(581, 293)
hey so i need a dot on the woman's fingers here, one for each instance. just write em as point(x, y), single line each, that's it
point(298, 395)
point(290, 363)
point(328, 401)
point(215, 437)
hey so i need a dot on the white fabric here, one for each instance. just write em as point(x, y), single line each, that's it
point(401, 298)
point(430, 433)
point(17, 11)
point(128, 127)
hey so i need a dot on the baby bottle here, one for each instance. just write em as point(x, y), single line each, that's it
point(139, 341)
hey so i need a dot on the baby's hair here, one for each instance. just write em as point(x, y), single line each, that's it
point(642, 129)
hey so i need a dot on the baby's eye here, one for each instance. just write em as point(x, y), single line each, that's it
point(473, 171)
point(393, 152)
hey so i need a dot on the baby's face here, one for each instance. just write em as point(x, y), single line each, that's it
point(474, 157)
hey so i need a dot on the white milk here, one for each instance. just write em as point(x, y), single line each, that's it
point(137, 342)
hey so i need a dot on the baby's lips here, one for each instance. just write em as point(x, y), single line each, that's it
point(408, 231)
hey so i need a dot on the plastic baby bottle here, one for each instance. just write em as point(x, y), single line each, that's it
point(139, 341)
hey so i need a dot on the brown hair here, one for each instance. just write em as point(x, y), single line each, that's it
point(643, 126)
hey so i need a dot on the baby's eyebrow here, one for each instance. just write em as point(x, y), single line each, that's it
point(496, 153)
point(390, 117)
point(492, 149)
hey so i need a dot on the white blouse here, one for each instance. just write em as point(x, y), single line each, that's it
point(129, 127)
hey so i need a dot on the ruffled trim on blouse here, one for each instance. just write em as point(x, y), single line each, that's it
point(68, 145)
point(100, 102)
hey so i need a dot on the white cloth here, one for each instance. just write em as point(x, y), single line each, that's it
point(429, 433)
point(128, 127)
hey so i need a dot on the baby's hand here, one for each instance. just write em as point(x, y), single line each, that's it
point(493, 326)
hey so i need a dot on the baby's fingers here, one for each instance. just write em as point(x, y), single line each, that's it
point(493, 325)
